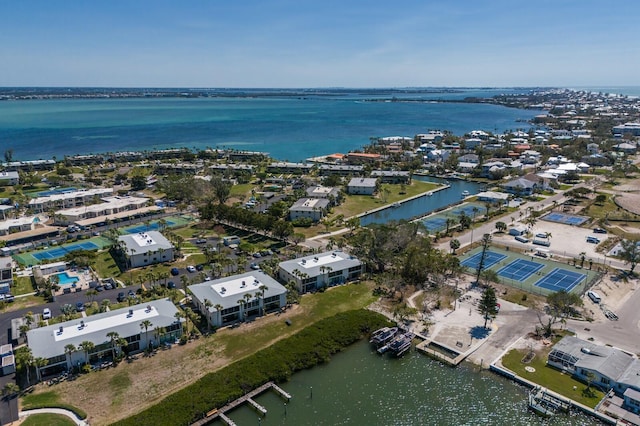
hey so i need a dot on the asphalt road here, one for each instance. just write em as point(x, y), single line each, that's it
point(623, 333)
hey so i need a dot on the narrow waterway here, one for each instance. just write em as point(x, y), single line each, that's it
point(360, 387)
point(426, 204)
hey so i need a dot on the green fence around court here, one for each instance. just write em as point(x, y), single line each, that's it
point(528, 284)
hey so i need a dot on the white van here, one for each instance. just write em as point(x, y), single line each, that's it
point(595, 297)
point(227, 241)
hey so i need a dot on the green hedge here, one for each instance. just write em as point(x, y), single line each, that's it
point(311, 346)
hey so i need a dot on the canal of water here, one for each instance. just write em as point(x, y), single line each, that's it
point(425, 204)
point(360, 387)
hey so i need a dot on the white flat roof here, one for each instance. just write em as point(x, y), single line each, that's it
point(235, 286)
point(320, 260)
point(100, 324)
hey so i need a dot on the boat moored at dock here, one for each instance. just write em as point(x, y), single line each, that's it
point(382, 336)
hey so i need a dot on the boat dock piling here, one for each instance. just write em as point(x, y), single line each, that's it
point(220, 412)
point(280, 391)
point(226, 420)
point(257, 406)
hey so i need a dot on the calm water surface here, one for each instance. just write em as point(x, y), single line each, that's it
point(359, 387)
point(288, 128)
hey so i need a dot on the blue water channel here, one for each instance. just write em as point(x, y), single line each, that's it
point(425, 204)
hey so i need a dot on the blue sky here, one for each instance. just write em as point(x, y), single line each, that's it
point(321, 43)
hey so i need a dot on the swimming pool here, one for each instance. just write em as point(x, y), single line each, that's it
point(65, 279)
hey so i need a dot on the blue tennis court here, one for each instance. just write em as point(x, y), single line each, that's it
point(567, 219)
point(520, 269)
point(560, 279)
point(57, 252)
point(490, 259)
point(144, 228)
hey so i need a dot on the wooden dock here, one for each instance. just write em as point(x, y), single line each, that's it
point(248, 398)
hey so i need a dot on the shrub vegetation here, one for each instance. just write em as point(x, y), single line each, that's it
point(311, 346)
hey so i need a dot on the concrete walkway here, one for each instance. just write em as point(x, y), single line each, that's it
point(60, 411)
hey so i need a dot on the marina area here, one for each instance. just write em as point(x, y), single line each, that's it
point(358, 387)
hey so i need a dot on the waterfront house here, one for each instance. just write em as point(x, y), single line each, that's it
point(391, 176)
point(340, 170)
point(312, 208)
point(9, 178)
point(145, 248)
point(320, 270)
point(287, 167)
point(493, 197)
point(69, 198)
point(111, 208)
point(52, 342)
point(521, 186)
point(610, 368)
point(363, 158)
point(239, 297)
point(330, 193)
point(362, 186)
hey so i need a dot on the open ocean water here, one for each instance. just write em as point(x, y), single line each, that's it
point(287, 127)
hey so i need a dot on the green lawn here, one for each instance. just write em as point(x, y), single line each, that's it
point(48, 420)
point(314, 308)
point(23, 285)
point(549, 377)
point(48, 400)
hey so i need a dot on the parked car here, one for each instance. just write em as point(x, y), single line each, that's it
point(191, 268)
point(46, 313)
point(255, 266)
point(175, 271)
point(599, 231)
point(121, 297)
point(171, 285)
point(257, 255)
point(201, 241)
point(7, 297)
point(593, 240)
point(541, 235)
point(131, 293)
point(108, 286)
point(79, 307)
point(199, 267)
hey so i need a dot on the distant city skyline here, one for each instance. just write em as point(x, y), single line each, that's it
point(329, 43)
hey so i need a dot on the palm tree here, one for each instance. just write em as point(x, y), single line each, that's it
point(241, 302)
point(24, 358)
point(86, 346)
point(114, 337)
point(159, 332)
point(218, 307)
point(104, 305)
point(179, 315)
point(146, 324)
point(38, 363)
point(262, 289)
point(184, 280)
point(69, 349)
point(455, 245)
point(207, 305)
point(583, 256)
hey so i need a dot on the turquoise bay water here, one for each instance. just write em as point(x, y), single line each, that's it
point(288, 128)
point(359, 387)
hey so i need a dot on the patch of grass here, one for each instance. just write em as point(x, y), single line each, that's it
point(23, 285)
point(105, 266)
point(48, 420)
point(315, 307)
point(49, 399)
point(549, 377)
point(120, 381)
